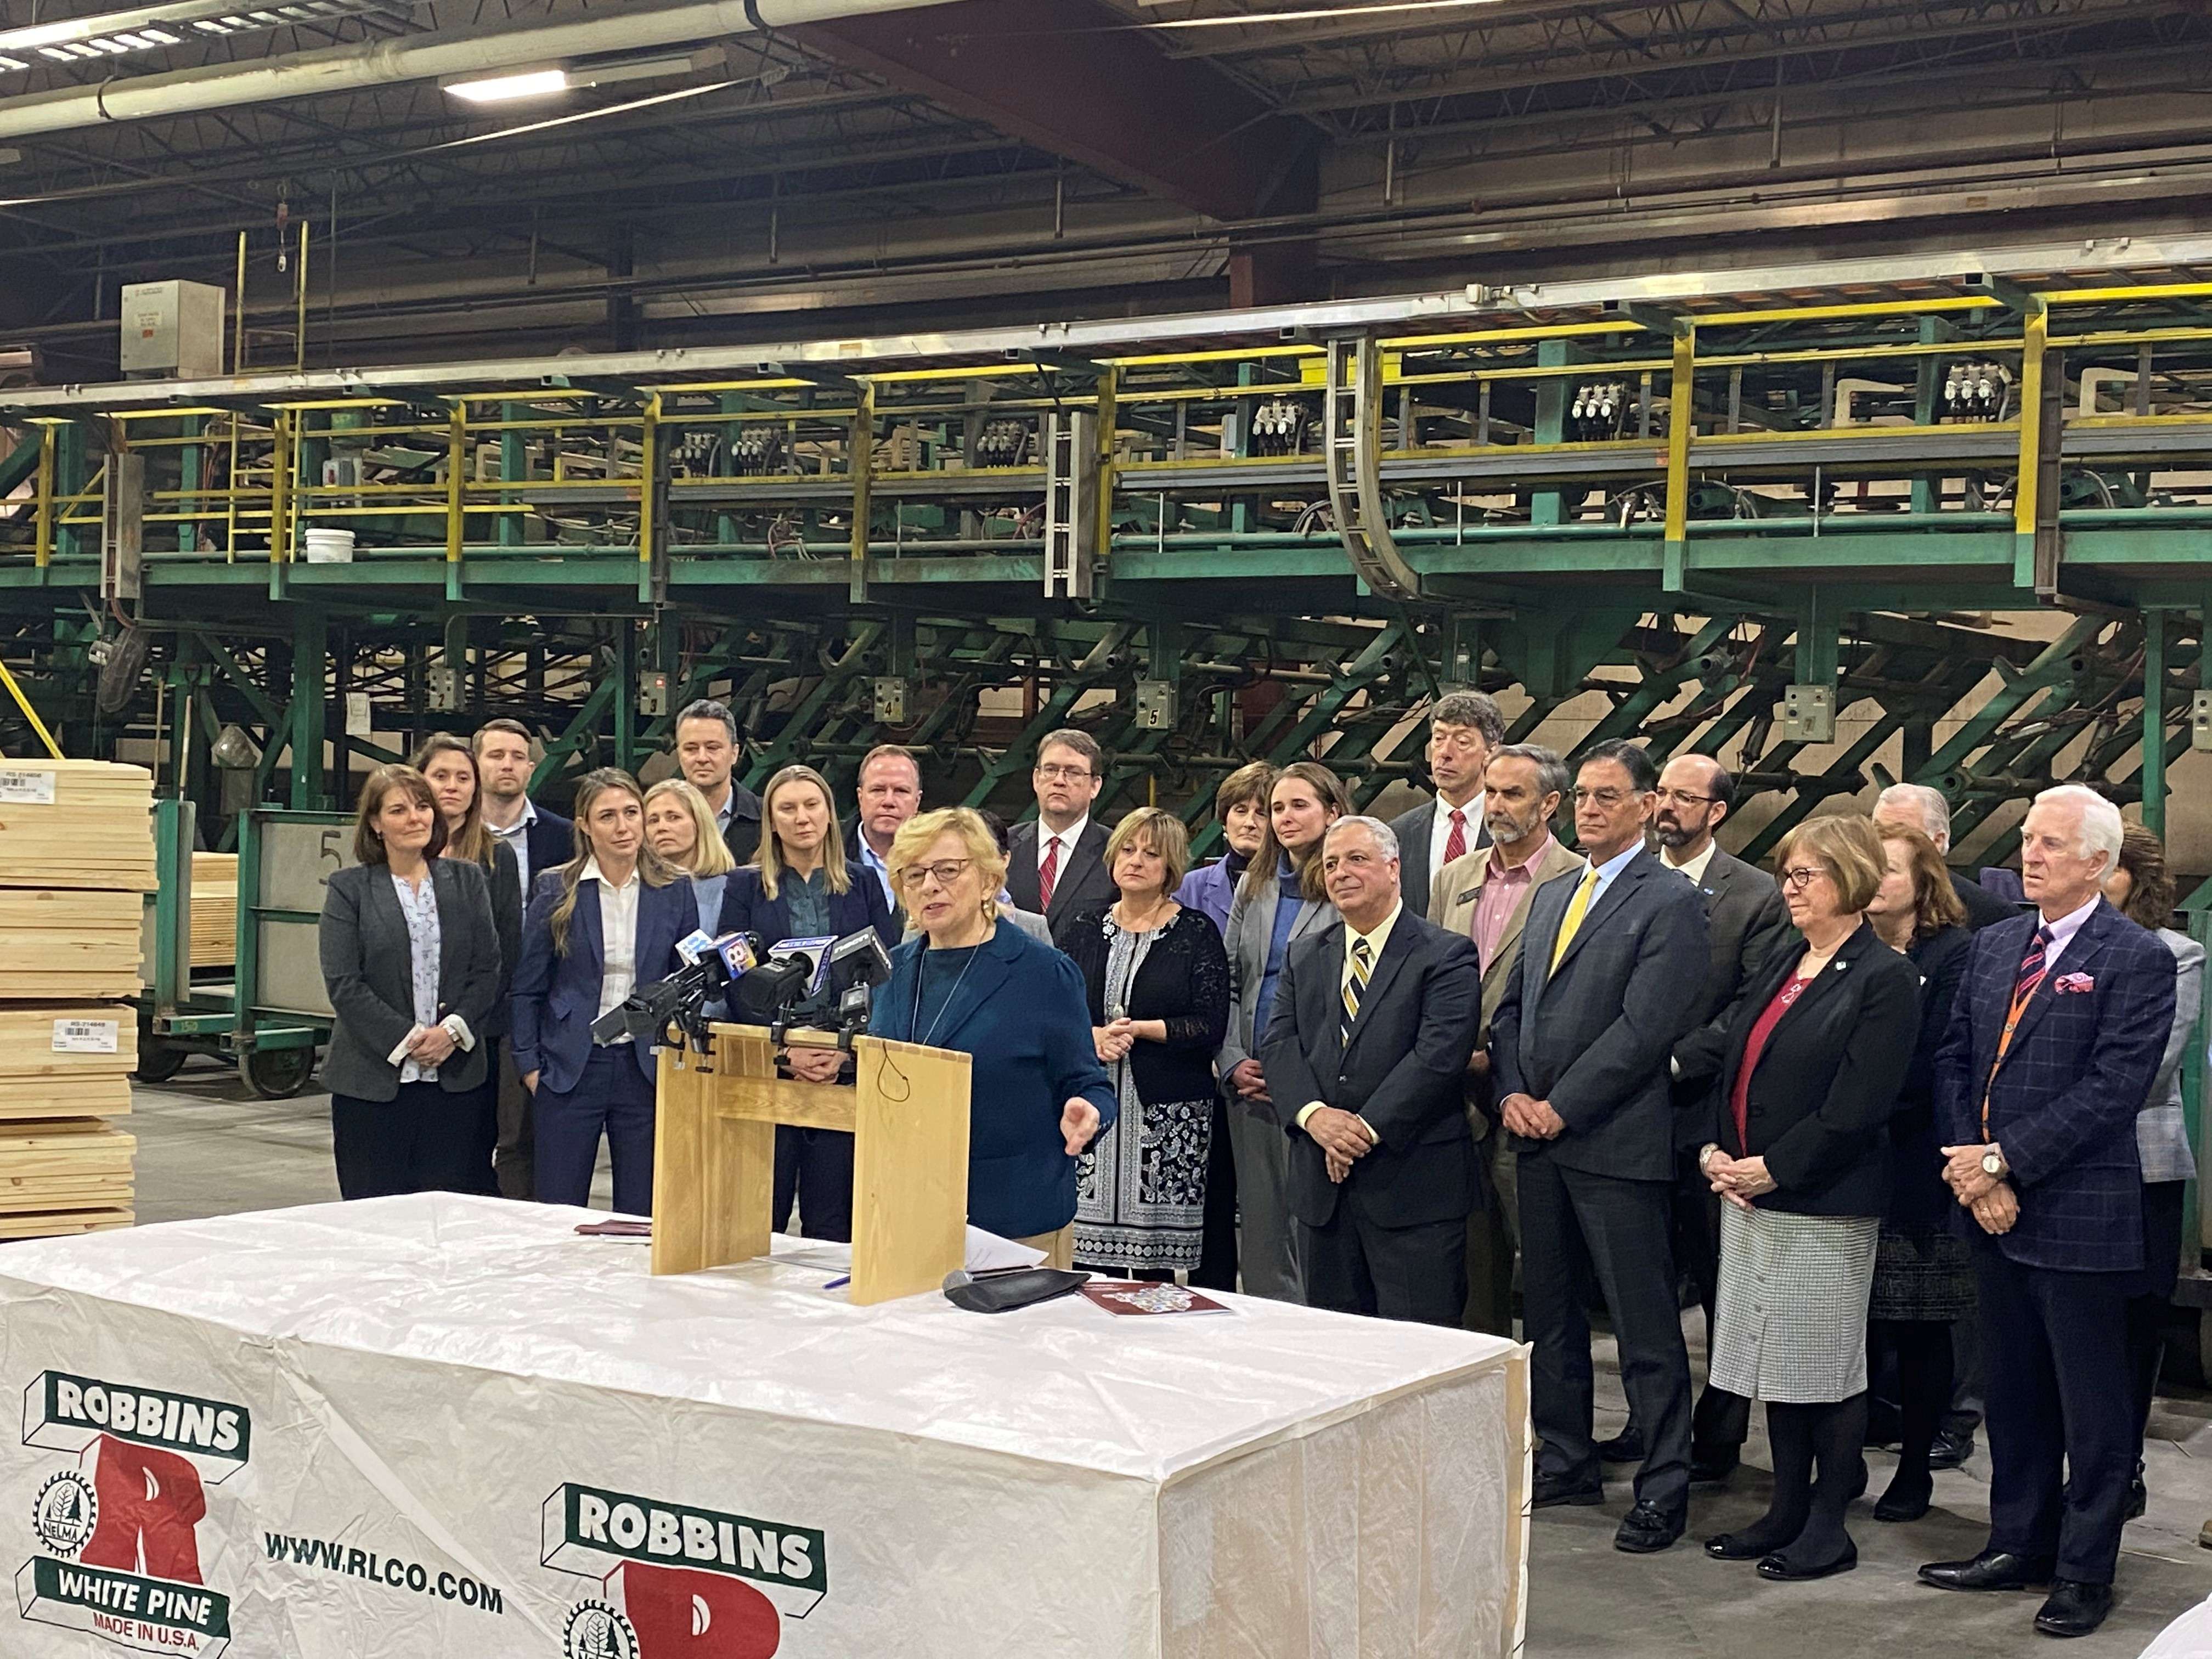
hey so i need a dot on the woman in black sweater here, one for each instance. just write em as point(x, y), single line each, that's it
point(1158, 980)
point(1816, 1051)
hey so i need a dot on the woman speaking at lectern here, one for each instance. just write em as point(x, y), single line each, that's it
point(1037, 1092)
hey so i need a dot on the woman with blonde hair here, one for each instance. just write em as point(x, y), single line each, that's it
point(1817, 1050)
point(679, 827)
point(801, 887)
point(1158, 982)
point(600, 927)
point(969, 983)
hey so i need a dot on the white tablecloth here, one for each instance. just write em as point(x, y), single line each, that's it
point(449, 1425)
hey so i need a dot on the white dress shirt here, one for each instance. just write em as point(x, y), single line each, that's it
point(1440, 827)
point(1377, 942)
point(618, 932)
point(517, 837)
point(1066, 839)
point(2062, 933)
point(1693, 868)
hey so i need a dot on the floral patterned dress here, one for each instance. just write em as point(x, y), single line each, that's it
point(1140, 1188)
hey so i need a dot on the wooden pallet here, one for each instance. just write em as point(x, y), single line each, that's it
point(62, 1224)
point(75, 824)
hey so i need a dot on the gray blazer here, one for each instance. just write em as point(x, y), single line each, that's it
point(1415, 828)
point(2161, 1127)
point(1594, 1037)
point(1249, 931)
point(369, 970)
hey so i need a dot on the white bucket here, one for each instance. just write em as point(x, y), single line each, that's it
point(329, 546)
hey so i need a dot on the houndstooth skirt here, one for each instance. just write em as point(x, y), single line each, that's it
point(1790, 1325)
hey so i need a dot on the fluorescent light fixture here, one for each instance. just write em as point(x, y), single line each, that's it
point(116, 33)
point(506, 88)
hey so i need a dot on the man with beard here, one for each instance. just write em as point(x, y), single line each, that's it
point(1745, 919)
point(1484, 896)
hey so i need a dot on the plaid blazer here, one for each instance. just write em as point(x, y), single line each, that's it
point(2063, 1103)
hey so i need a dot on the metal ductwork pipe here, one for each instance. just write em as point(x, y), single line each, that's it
point(421, 57)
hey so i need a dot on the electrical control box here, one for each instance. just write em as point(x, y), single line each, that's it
point(1156, 705)
point(652, 693)
point(890, 700)
point(1808, 714)
point(441, 689)
point(2200, 720)
point(172, 330)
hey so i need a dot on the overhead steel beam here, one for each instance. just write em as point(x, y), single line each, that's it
point(1102, 95)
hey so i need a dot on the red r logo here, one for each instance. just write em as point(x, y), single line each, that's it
point(679, 1613)
point(150, 1504)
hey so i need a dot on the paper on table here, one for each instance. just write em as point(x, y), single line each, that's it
point(986, 1253)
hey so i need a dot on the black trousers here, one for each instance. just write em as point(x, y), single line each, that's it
point(2059, 1402)
point(1576, 1228)
point(515, 1154)
point(2149, 1302)
point(423, 1139)
point(1722, 1422)
point(1217, 1250)
point(1417, 1273)
point(814, 1167)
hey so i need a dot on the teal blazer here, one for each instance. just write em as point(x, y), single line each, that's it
point(1021, 1015)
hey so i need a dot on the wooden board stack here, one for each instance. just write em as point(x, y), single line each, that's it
point(214, 909)
point(76, 853)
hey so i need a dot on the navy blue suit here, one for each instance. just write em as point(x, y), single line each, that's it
point(2062, 1108)
point(747, 909)
point(583, 1089)
point(813, 1167)
point(1023, 1014)
point(551, 839)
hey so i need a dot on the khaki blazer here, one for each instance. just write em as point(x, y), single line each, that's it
point(1452, 897)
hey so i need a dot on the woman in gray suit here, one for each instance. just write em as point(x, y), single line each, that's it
point(1279, 899)
point(411, 960)
point(2141, 887)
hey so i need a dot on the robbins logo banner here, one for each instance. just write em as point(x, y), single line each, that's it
point(122, 1527)
point(682, 1583)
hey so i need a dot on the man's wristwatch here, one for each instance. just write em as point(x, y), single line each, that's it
point(1993, 1163)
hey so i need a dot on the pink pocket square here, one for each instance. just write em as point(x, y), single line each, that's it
point(2073, 983)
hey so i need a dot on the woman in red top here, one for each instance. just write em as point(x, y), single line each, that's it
point(1816, 1053)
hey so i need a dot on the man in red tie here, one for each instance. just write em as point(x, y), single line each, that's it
point(1056, 863)
point(1465, 729)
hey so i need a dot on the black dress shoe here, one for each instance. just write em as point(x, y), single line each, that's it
point(1992, 1570)
point(1779, 1567)
point(1553, 1489)
point(2138, 1499)
point(1729, 1547)
point(1951, 1450)
point(2074, 1609)
point(1712, 1469)
point(1626, 1447)
point(1647, 1529)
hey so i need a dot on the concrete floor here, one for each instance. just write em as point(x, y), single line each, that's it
point(205, 1148)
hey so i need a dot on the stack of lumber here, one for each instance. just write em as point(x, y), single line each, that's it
point(77, 853)
point(214, 909)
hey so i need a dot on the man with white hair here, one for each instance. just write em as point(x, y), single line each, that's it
point(2057, 1030)
point(1919, 807)
point(1366, 1057)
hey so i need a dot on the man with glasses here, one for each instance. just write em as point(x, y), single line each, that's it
point(1465, 729)
point(1745, 918)
point(1056, 865)
point(1611, 966)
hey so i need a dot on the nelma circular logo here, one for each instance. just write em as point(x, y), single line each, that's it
point(596, 1630)
point(65, 1514)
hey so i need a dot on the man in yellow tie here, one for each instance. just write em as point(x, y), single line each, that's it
point(1612, 966)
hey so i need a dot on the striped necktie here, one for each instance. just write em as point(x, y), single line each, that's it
point(1455, 843)
point(1571, 924)
point(2033, 966)
point(1363, 963)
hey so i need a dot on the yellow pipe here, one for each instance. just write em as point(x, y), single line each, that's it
point(43, 547)
point(979, 372)
point(1509, 336)
point(300, 301)
point(238, 347)
point(2091, 296)
point(1249, 354)
point(1681, 418)
point(2034, 330)
point(1857, 308)
point(456, 477)
point(30, 713)
point(862, 468)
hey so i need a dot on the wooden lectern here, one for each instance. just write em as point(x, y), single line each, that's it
point(714, 1165)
